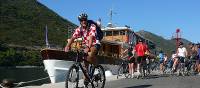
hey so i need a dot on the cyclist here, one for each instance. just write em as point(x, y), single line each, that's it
point(140, 49)
point(182, 54)
point(87, 33)
point(198, 58)
point(175, 61)
point(161, 59)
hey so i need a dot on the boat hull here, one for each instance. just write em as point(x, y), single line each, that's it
point(57, 63)
point(57, 69)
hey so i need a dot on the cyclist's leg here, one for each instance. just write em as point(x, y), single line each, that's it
point(161, 66)
point(130, 68)
point(135, 65)
point(131, 65)
point(91, 58)
point(175, 64)
point(139, 60)
point(181, 65)
point(196, 64)
point(199, 66)
point(92, 55)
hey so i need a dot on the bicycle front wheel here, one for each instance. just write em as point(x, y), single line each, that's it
point(72, 79)
point(99, 77)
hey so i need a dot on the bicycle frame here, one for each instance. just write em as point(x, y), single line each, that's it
point(86, 73)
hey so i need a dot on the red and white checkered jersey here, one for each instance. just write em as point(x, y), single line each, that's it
point(85, 34)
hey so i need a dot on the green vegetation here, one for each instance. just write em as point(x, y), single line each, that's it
point(12, 56)
point(23, 23)
point(22, 31)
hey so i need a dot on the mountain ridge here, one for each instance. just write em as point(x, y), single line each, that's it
point(166, 45)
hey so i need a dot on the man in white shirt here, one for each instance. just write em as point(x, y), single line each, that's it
point(182, 54)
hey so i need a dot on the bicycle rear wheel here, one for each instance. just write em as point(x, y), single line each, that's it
point(99, 77)
point(72, 79)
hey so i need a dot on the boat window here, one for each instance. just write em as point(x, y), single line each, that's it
point(108, 33)
point(115, 33)
point(122, 32)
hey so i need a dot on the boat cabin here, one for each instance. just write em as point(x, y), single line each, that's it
point(115, 40)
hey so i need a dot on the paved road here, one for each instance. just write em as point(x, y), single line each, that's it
point(157, 82)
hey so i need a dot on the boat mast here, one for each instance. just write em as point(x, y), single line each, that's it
point(111, 15)
point(46, 37)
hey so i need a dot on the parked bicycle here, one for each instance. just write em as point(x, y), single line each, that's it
point(95, 74)
point(123, 70)
point(145, 68)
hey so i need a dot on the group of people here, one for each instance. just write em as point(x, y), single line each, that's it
point(137, 54)
point(184, 57)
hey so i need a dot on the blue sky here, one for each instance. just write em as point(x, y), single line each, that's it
point(161, 17)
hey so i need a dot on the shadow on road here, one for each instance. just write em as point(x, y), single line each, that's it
point(140, 86)
point(152, 77)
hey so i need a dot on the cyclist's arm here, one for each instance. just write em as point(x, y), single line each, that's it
point(90, 41)
point(71, 40)
point(133, 52)
point(147, 49)
point(186, 53)
point(67, 47)
point(91, 35)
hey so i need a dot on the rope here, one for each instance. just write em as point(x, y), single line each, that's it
point(20, 83)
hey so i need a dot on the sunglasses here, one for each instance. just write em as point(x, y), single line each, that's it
point(83, 20)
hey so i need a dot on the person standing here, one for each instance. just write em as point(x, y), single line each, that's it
point(140, 49)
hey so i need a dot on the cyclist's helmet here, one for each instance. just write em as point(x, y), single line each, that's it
point(82, 16)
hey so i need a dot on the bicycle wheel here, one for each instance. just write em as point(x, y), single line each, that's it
point(122, 70)
point(126, 71)
point(72, 79)
point(99, 77)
